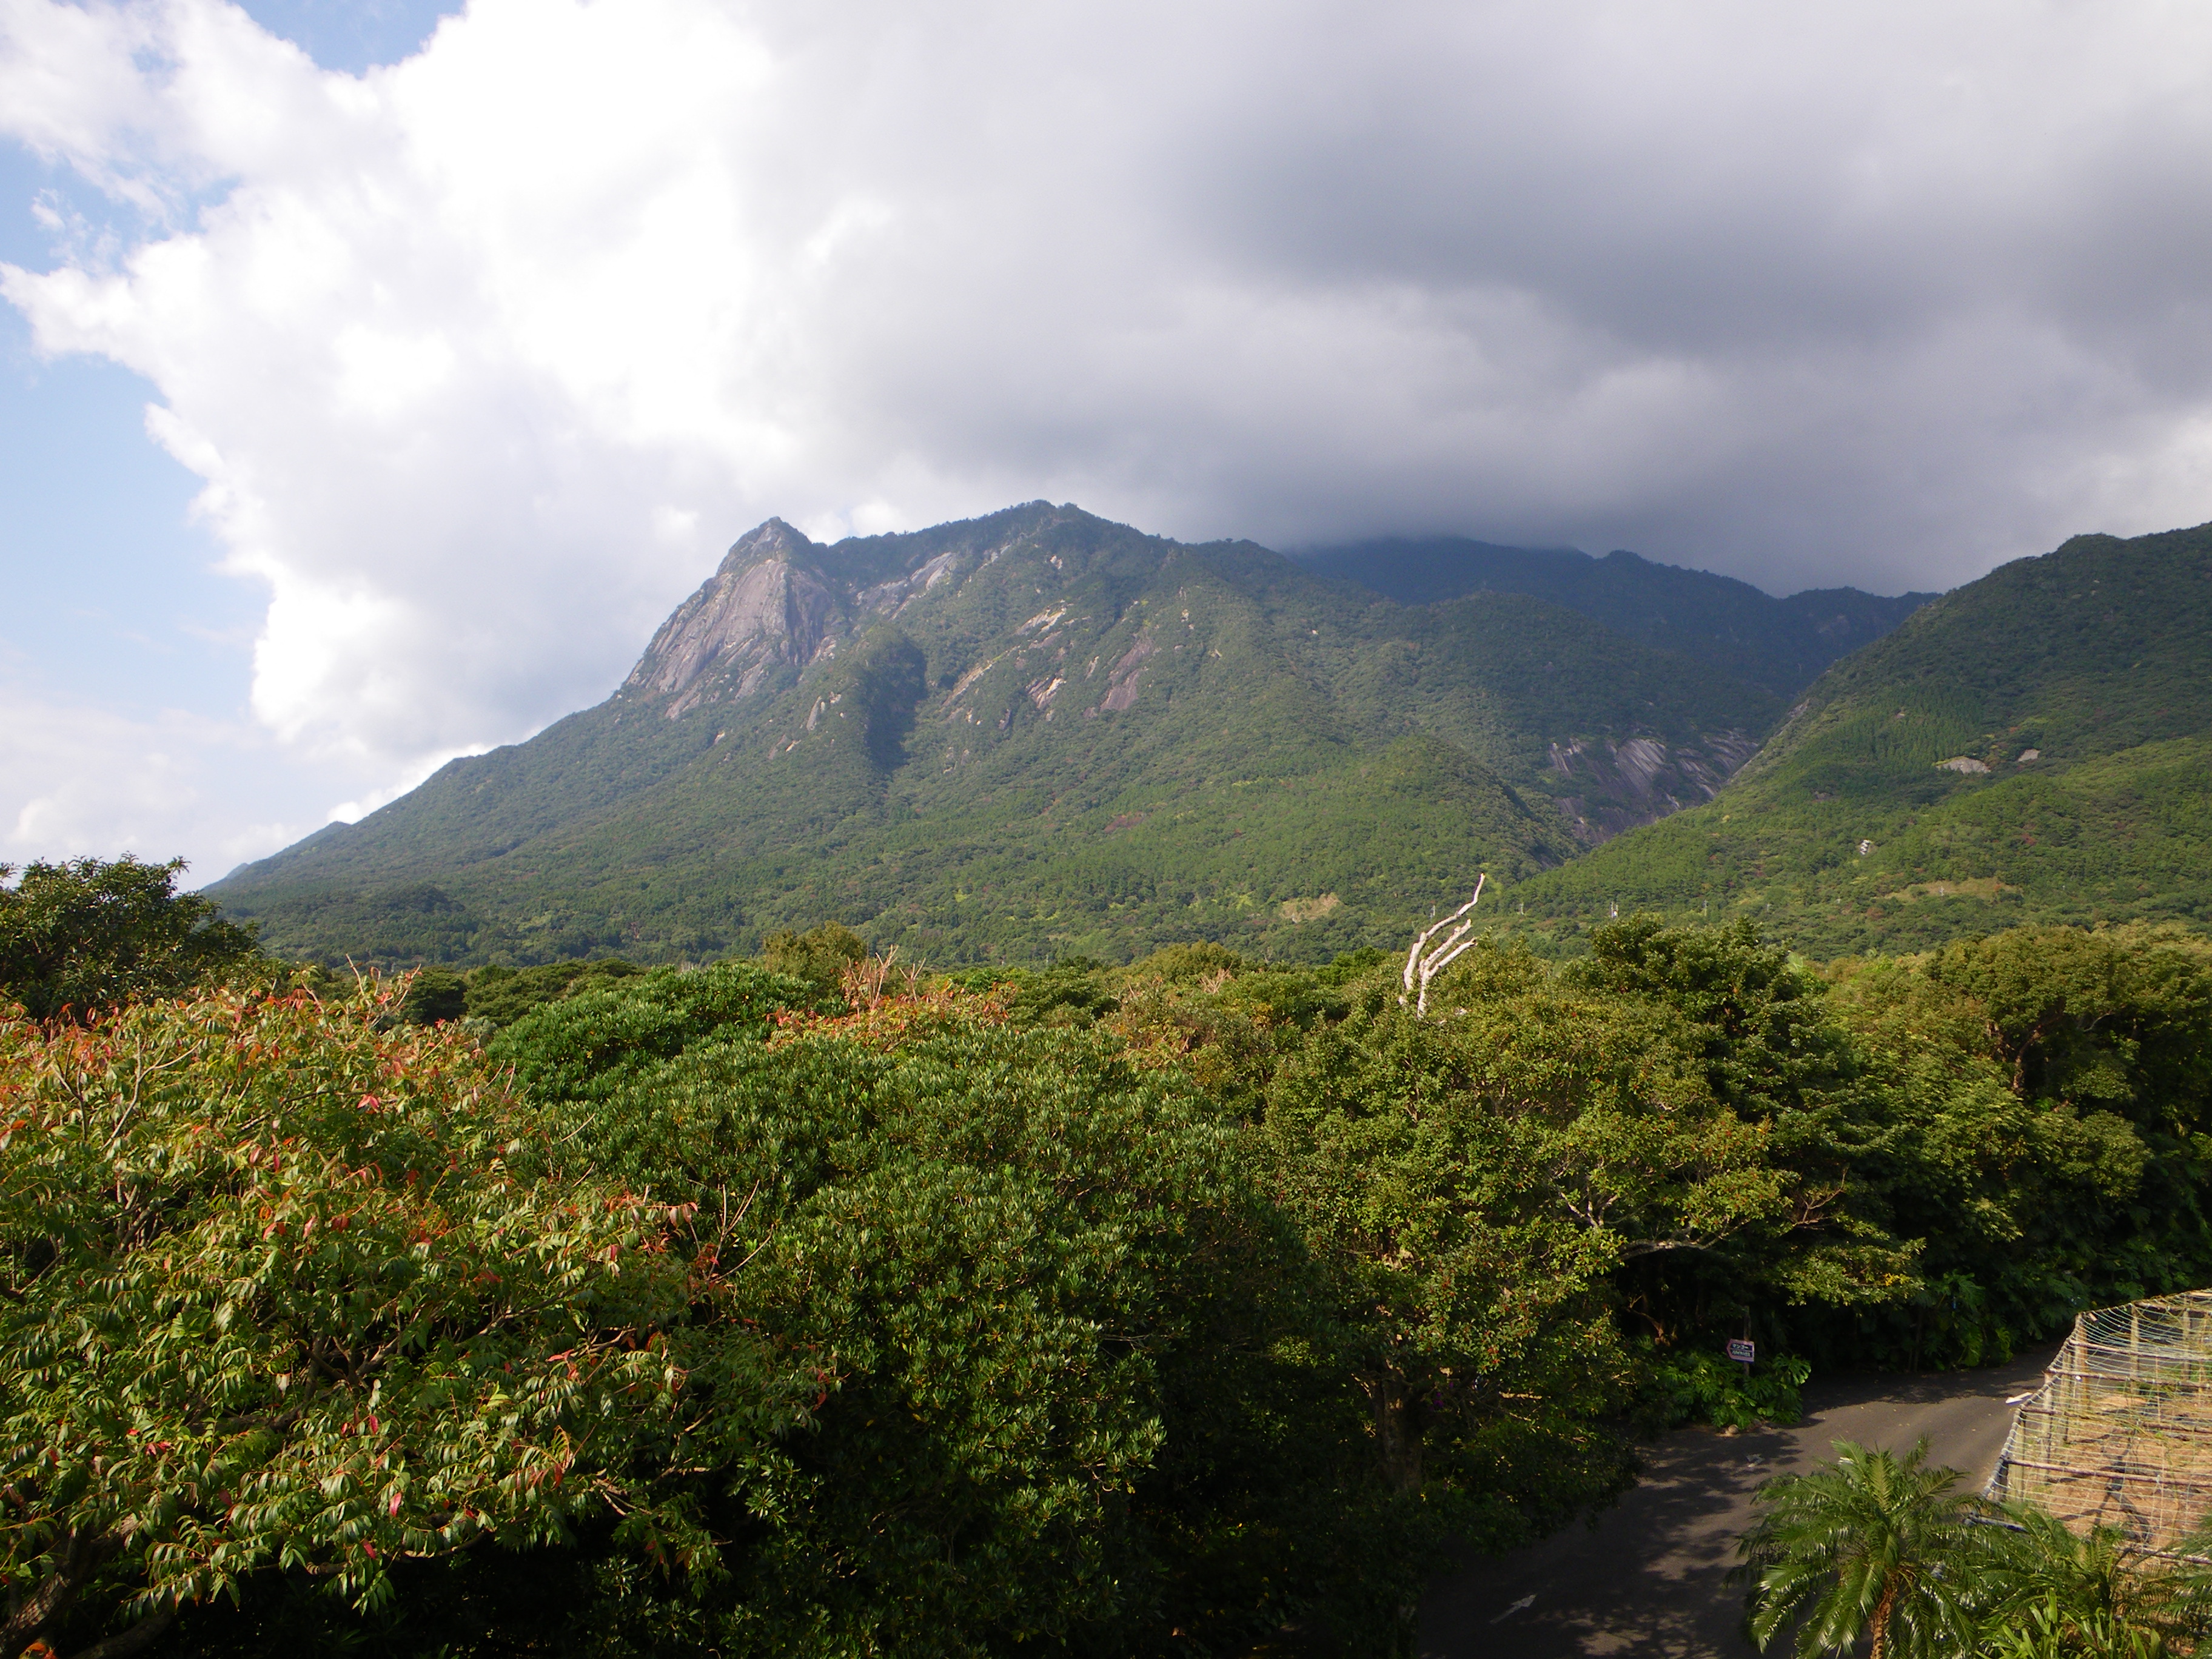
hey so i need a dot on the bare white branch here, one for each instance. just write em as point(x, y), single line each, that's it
point(1413, 956)
point(1424, 965)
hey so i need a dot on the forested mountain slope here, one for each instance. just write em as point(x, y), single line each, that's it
point(1780, 644)
point(1019, 737)
point(2036, 745)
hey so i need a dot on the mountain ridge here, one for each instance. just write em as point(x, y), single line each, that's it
point(2035, 745)
point(1118, 738)
point(1781, 644)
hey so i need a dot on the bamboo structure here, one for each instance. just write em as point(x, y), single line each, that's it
point(2120, 1431)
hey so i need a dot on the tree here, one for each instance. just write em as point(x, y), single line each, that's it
point(590, 1042)
point(1759, 1023)
point(83, 935)
point(503, 995)
point(1871, 1547)
point(1046, 1286)
point(1763, 1032)
point(1470, 1181)
point(2034, 1106)
point(434, 994)
point(2092, 1018)
point(819, 956)
point(279, 1289)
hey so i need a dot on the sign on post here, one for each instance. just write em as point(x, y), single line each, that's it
point(1742, 1351)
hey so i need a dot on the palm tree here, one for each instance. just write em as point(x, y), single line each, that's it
point(1871, 1545)
point(2096, 1594)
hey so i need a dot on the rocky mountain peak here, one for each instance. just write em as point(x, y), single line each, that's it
point(772, 540)
point(758, 612)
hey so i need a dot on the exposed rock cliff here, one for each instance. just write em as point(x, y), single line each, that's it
point(762, 610)
point(1642, 780)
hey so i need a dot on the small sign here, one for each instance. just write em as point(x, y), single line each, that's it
point(1742, 1351)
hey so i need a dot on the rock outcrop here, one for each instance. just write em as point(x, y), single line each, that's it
point(1642, 780)
point(762, 609)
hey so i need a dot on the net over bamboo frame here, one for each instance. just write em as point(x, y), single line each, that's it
point(2120, 1432)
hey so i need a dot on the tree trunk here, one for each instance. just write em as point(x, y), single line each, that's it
point(140, 1636)
point(76, 1559)
point(1398, 1447)
point(1397, 1435)
point(1881, 1621)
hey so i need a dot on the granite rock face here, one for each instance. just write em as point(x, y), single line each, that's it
point(764, 609)
point(1621, 785)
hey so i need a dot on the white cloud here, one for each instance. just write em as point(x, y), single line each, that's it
point(483, 357)
point(83, 781)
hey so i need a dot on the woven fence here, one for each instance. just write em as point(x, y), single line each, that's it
point(2120, 1432)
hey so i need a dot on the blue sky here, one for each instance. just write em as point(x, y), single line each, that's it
point(104, 563)
point(469, 349)
point(114, 600)
point(353, 35)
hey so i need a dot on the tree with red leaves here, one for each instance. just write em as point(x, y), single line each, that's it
point(281, 1289)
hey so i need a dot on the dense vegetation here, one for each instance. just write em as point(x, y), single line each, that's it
point(82, 934)
point(1292, 775)
point(803, 1304)
point(1080, 740)
point(2075, 690)
point(1880, 1548)
point(1781, 645)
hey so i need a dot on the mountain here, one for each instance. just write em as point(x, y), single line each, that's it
point(2035, 746)
point(1780, 644)
point(1020, 737)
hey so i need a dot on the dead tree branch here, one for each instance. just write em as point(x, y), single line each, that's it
point(1423, 961)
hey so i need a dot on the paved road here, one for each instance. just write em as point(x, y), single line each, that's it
point(1647, 1580)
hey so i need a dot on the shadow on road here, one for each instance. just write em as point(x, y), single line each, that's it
point(1648, 1578)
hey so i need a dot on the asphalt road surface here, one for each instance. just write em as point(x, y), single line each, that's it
point(1647, 1579)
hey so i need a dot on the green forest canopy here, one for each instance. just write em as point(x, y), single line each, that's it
point(1085, 1310)
point(1069, 739)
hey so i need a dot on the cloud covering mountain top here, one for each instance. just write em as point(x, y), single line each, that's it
point(484, 355)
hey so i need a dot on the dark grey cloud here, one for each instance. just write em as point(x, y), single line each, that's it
point(484, 356)
point(1884, 296)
